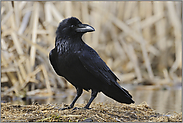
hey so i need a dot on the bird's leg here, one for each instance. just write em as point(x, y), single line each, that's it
point(79, 92)
point(93, 95)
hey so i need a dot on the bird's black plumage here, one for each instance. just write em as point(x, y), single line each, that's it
point(81, 65)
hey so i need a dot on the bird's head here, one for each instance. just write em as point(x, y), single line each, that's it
point(72, 27)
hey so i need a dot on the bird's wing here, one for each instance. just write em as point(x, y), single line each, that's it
point(52, 57)
point(96, 66)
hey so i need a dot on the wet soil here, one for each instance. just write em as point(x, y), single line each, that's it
point(99, 112)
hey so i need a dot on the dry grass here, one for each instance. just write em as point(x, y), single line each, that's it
point(111, 112)
point(138, 40)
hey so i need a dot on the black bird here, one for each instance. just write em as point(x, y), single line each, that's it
point(81, 65)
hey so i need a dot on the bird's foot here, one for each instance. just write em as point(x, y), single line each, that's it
point(76, 108)
point(69, 107)
point(87, 108)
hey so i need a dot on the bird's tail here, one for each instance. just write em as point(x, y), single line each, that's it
point(116, 92)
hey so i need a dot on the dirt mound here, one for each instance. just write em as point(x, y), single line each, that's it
point(99, 112)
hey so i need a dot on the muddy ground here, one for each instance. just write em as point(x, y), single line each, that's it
point(99, 112)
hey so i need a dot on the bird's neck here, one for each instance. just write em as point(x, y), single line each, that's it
point(69, 40)
point(65, 44)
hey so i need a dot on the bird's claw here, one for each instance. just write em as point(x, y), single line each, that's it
point(65, 108)
point(86, 108)
point(76, 108)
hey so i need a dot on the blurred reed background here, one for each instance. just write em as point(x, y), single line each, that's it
point(139, 41)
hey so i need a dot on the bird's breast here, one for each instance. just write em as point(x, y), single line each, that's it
point(67, 58)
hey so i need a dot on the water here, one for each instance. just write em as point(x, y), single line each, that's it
point(163, 101)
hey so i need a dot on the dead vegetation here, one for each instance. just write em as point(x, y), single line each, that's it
point(112, 112)
point(139, 41)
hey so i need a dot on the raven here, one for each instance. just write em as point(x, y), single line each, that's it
point(81, 65)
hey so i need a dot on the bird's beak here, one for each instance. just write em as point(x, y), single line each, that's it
point(84, 28)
